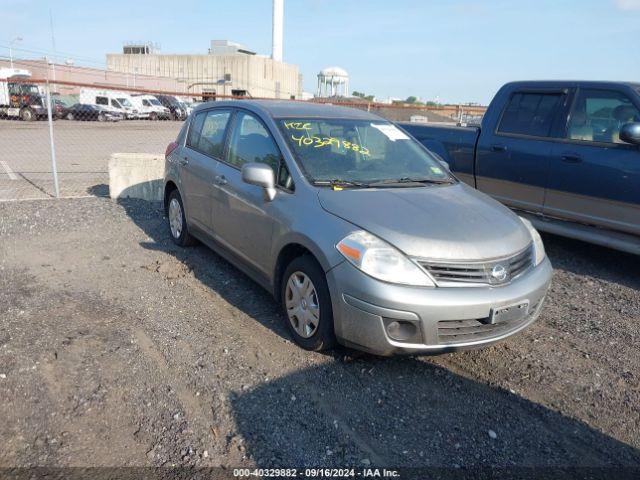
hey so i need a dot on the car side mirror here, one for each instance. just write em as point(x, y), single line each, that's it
point(630, 133)
point(446, 165)
point(261, 175)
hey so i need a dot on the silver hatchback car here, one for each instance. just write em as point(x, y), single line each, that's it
point(361, 233)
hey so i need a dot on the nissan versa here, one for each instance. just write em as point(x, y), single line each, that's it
point(363, 235)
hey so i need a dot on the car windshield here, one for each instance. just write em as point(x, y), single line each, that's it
point(359, 152)
point(124, 102)
point(153, 101)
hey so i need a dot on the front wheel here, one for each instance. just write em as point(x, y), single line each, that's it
point(178, 221)
point(102, 117)
point(307, 304)
point(27, 115)
point(153, 116)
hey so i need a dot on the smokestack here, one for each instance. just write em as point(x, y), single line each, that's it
point(277, 30)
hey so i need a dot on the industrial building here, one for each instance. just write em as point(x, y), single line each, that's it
point(227, 69)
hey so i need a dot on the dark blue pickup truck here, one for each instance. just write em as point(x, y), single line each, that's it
point(565, 154)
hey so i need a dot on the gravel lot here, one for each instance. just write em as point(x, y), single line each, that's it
point(118, 348)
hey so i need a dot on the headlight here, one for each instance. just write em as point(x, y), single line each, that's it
point(537, 242)
point(377, 258)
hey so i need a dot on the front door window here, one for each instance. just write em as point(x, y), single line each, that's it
point(598, 116)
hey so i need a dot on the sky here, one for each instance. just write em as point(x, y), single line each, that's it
point(447, 50)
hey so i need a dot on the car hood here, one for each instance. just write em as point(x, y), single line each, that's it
point(447, 222)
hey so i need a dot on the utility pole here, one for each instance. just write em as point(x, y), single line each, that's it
point(17, 39)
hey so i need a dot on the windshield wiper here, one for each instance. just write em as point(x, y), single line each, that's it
point(339, 182)
point(394, 181)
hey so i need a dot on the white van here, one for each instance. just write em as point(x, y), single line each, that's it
point(151, 107)
point(113, 100)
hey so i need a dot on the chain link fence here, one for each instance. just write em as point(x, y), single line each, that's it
point(56, 138)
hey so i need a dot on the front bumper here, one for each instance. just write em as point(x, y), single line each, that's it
point(363, 305)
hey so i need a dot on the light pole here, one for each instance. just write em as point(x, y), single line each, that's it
point(17, 39)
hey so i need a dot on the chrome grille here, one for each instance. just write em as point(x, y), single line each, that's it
point(493, 272)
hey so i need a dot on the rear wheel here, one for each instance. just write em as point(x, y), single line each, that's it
point(307, 304)
point(178, 221)
point(102, 117)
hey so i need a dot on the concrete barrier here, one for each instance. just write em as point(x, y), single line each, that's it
point(136, 175)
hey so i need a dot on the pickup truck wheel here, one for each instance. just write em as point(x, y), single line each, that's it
point(307, 304)
point(27, 115)
point(178, 221)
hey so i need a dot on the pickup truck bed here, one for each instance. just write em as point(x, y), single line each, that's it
point(455, 145)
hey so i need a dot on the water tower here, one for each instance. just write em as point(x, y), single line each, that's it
point(333, 82)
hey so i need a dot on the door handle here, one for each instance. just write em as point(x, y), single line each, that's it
point(571, 158)
point(184, 161)
point(498, 148)
point(220, 180)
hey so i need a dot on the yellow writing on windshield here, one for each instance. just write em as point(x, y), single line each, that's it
point(319, 142)
point(297, 126)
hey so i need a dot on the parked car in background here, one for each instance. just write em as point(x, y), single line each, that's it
point(131, 111)
point(563, 153)
point(177, 111)
point(358, 230)
point(110, 100)
point(60, 109)
point(189, 106)
point(81, 111)
point(150, 107)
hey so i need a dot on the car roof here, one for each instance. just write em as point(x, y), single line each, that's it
point(571, 83)
point(294, 109)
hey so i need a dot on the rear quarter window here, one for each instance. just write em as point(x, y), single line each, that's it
point(207, 131)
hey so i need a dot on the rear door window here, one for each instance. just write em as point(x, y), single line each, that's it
point(529, 113)
point(102, 101)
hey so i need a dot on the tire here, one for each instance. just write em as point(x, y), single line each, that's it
point(323, 336)
point(70, 116)
point(101, 117)
point(153, 116)
point(27, 115)
point(179, 232)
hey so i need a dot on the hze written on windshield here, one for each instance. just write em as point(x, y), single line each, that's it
point(319, 142)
